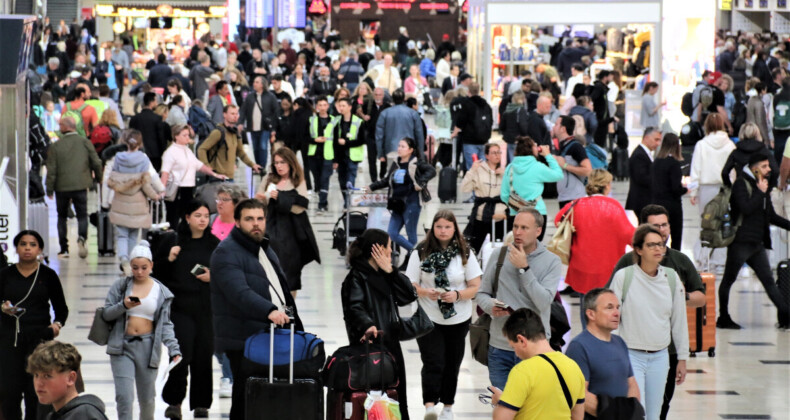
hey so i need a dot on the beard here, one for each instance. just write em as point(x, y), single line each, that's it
point(255, 235)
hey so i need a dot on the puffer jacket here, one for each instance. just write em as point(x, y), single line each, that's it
point(420, 173)
point(371, 297)
point(710, 155)
point(528, 177)
point(129, 206)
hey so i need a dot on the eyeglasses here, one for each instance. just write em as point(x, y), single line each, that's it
point(661, 226)
point(485, 399)
point(223, 200)
point(654, 245)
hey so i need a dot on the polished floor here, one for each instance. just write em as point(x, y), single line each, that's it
point(749, 377)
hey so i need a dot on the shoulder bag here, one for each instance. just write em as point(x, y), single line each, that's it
point(515, 201)
point(416, 325)
point(480, 330)
point(560, 243)
point(100, 329)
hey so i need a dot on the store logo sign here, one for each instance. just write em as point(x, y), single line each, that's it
point(164, 10)
point(318, 7)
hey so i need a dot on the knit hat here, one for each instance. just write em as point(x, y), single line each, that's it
point(142, 250)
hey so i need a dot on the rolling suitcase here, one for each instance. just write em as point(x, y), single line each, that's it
point(38, 220)
point(105, 234)
point(702, 321)
point(294, 399)
point(448, 180)
point(619, 164)
point(783, 283)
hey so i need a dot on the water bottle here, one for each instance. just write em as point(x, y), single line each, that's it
point(726, 228)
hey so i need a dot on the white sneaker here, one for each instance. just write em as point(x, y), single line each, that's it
point(447, 414)
point(225, 388)
point(431, 413)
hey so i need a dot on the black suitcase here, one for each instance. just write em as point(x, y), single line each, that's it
point(105, 234)
point(448, 180)
point(783, 283)
point(619, 164)
point(277, 399)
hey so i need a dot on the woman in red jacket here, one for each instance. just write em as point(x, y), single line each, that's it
point(602, 233)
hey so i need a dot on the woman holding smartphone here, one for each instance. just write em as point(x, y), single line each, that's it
point(187, 262)
point(139, 308)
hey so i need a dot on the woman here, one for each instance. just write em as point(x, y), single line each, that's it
point(405, 195)
point(668, 186)
point(163, 111)
point(362, 94)
point(176, 114)
point(514, 122)
point(525, 177)
point(138, 306)
point(233, 64)
point(339, 94)
point(134, 184)
point(602, 231)
point(371, 294)
point(284, 126)
point(174, 88)
point(650, 116)
point(290, 233)
point(710, 155)
point(300, 81)
point(614, 91)
point(190, 247)
point(109, 120)
point(755, 111)
point(484, 179)
point(27, 289)
point(446, 275)
point(181, 163)
point(414, 83)
point(652, 314)
point(302, 111)
point(239, 85)
point(749, 143)
point(427, 67)
point(726, 86)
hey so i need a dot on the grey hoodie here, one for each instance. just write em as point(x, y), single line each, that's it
point(82, 407)
point(131, 162)
point(535, 289)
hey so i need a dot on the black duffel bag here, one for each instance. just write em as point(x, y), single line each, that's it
point(358, 368)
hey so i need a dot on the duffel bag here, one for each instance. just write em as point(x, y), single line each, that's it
point(309, 355)
point(358, 368)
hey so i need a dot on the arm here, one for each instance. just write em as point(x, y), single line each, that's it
point(784, 170)
point(551, 173)
point(640, 171)
point(696, 169)
point(541, 291)
point(210, 142)
point(633, 388)
point(114, 307)
point(380, 127)
point(468, 183)
point(245, 106)
point(504, 192)
point(52, 169)
point(57, 299)
point(503, 413)
point(675, 179)
point(485, 294)
point(168, 333)
point(355, 312)
point(577, 413)
point(584, 169)
point(679, 324)
point(727, 169)
point(243, 155)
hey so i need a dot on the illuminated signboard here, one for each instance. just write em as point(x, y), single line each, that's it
point(290, 13)
point(134, 12)
point(725, 4)
point(434, 6)
point(355, 5)
point(318, 7)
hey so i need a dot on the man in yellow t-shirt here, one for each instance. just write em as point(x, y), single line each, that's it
point(534, 388)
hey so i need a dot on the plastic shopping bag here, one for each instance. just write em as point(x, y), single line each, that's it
point(379, 406)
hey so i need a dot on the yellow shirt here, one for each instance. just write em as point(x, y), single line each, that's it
point(534, 391)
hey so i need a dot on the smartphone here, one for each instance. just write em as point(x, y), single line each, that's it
point(500, 304)
point(198, 269)
point(474, 157)
point(134, 299)
point(757, 175)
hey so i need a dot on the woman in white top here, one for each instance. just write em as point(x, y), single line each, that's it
point(446, 275)
point(181, 163)
point(652, 314)
point(174, 88)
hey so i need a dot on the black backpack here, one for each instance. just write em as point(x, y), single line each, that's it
point(482, 122)
point(212, 153)
point(687, 104)
point(738, 116)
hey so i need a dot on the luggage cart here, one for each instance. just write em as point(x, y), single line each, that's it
point(356, 200)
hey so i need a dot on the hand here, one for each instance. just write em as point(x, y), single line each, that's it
point(782, 185)
point(517, 257)
point(500, 170)
point(560, 160)
point(7, 308)
point(497, 312)
point(680, 376)
point(161, 195)
point(174, 251)
point(341, 141)
point(380, 159)
point(544, 150)
point(240, 127)
point(273, 194)
point(205, 277)
point(257, 168)
point(366, 117)
point(367, 189)
point(449, 297)
point(693, 200)
point(51, 196)
point(372, 331)
point(129, 304)
point(220, 176)
point(383, 258)
point(592, 399)
point(432, 294)
point(496, 394)
point(320, 139)
point(476, 164)
point(279, 318)
point(762, 184)
point(177, 358)
point(55, 329)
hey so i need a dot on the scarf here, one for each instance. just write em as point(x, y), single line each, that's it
point(437, 263)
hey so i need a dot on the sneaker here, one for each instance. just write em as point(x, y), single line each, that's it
point(83, 252)
point(201, 413)
point(566, 291)
point(431, 413)
point(173, 412)
point(63, 254)
point(447, 414)
point(225, 388)
point(126, 268)
point(726, 323)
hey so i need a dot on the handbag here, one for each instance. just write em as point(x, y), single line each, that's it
point(416, 325)
point(100, 329)
point(560, 243)
point(396, 205)
point(358, 368)
point(515, 201)
point(480, 330)
point(308, 353)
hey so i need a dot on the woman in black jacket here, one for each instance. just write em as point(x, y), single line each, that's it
point(284, 125)
point(302, 111)
point(668, 186)
point(750, 142)
point(371, 294)
point(184, 263)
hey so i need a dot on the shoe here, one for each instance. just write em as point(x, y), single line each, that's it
point(431, 414)
point(447, 414)
point(566, 291)
point(201, 413)
point(83, 252)
point(173, 412)
point(782, 327)
point(63, 254)
point(726, 323)
point(225, 388)
point(322, 210)
point(126, 268)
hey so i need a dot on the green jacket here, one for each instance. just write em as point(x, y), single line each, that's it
point(70, 161)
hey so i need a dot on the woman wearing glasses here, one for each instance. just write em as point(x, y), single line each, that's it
point(485, 180)
point(652, 314)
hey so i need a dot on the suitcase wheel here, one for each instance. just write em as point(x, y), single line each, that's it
point(712, 352)
point(693, 354)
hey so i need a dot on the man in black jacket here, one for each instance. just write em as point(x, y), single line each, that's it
point(371, 111)
point(160, 73)
point(751, 204)
point(639, 164)
point(536, 126)
point(151, 126)
point(259, 113)
point(473, 125)
point(598, 95)
point(251, 294)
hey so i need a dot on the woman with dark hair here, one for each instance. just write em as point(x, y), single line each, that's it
point(668, 186)
point(185, 266)
point(446, 275)
point(174, 88)
point(284, 126)
point(649, 116)
point(290, 233)
point(302, 111)
point(371, 294)
point(27, 289)
point(177, 113)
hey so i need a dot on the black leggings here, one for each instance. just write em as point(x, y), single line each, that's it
point(755, 256)
point(442, 351)
point(195, 336)
point(16, 384)
point(176, 208)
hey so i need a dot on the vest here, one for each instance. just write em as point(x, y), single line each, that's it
point(329, 152)
point(356, 154)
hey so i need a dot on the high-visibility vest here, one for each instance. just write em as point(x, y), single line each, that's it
point(329, 151)
point(357, 153)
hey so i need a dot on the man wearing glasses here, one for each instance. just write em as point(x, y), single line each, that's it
point(639, 169)
point(658, 217)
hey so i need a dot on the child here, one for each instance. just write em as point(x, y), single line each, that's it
point(54, 366)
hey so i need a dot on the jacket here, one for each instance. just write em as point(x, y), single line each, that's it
point(514, 122)
point(81, 407)
point(537, 129)
point(427, 68)
point(115, 311)
point(710, 155)
point(70, 162)
point(419, 172)
point(485, 183)
point(129, 206)
point(192, 296)
point(756, 212)
point(159, 75)
point(176, 116)
point(198, 76)
point(740, 158)
point(225, 160)
point(322, 88)
point(150, 126)
point(667, 178)
point(755, 113)
point(269, 110)
point(466, 113)
point(240, 297)
point(395, 123)
point(528, 176)
point(640, 185)
point(371, 297)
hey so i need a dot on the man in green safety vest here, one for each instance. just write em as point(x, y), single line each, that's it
point(320, 152)
point(349, 145)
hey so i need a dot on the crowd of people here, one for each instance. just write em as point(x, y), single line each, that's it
point(296, 118)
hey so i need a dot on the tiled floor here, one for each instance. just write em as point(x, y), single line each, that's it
point(748, 378)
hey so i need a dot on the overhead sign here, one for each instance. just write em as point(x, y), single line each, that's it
point(290, 13)
point(318, 7)
point(162, 10)
point(725, 5)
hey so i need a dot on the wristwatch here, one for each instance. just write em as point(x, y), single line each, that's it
point(59, 324)
point(523, 270)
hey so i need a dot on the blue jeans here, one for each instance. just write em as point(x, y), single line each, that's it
point(650, 371)
point(511, 151)
point(499, 364)
point(222, 358)
point(472, 149)
point(127, 239)
point(260, 146)
point(347, 173)
point(409, 217)
point(322, 171)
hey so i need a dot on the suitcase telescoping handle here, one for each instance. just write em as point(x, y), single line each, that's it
point(271, 353)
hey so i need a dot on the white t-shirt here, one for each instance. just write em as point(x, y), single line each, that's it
point(457, 274)
point(182, 164)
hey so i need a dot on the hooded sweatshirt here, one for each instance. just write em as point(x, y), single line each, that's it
point(528, 176)
point(134, 181)
point(82, 407)
point(710, 155)
point(744, 149)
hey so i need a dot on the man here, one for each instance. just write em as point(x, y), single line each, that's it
point(110, 104)
point(572, 159)
point(154, 58)
point(290, 54)
point(726, 59)
point(781, 123)
point(72, 165)
point(658, 217)
point(323, 85)
point(602, 356)
point(378, 59)
point(584, 109)
point(577, 74)
point(251, 295)
point(528, 279)
point(150, 125)
point(569, 56)
point(256, 66)
point(321, 58)
point(281, 89)
point(536, 126)
point(160, 73)
point(451, 81)
point(83, 114)
point(598, 96)
point(348, 144)
point(388, 77)
point(473, 125)
point(709, 97)
point(364, 57)
point(221, 147)
point(546, 384)
point(403, 44)
point(371, 111)
point(350, 72)
point(218, 101)
point(640, 184)
point(258, 114)
point(105, 74)
point(121, 65)
point(445, 46)
point(752, 206)
point(777, 75)
point(320, 152)
point(199, 74)
point(395, 123)
point(245, 55)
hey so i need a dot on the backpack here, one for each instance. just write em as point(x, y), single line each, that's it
point(782, 115)
point(200, 122)
point(738, 116)
point(597, 156)
point(717, 229)
point(212, 153)
point(687, 104)
point(101, 137)
point(482, 122)
point(77, 115)
point(579, 131)
point(705, 98)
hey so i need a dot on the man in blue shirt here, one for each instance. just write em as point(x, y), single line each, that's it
point(602, 356)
